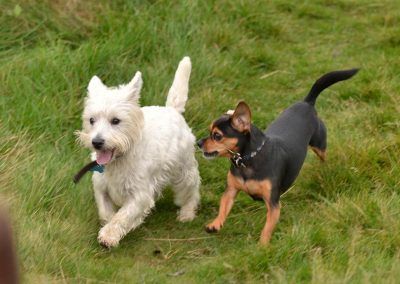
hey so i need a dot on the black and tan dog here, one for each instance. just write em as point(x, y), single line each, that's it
point(265, 164)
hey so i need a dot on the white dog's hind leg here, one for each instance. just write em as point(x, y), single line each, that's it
point(128, 217)
point(104, 203)
point(187, 196)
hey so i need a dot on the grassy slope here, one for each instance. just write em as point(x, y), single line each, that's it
point(340, 222)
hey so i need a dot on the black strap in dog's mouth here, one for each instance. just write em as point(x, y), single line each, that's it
point(92, 166)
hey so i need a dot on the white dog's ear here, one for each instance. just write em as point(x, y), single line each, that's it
point(134, 86)
point(241, 117)
point(95, 86)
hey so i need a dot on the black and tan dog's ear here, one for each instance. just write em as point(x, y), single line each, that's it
point(241, 117)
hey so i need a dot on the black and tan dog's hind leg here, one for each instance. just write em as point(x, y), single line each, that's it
point(318, 141)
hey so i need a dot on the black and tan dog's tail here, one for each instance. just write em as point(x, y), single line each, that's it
point(327, 80)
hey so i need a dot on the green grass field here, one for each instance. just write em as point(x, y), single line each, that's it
point(339, 224)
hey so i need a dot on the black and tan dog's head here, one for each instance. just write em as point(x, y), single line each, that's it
point(228, 133)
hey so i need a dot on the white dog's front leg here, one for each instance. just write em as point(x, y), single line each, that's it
point(128, 217)
point(104, 203)
point(105, 207)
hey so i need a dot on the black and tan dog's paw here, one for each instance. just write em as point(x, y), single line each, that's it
point(214, 227)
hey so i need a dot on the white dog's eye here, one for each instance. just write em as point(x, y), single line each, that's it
point(115, 121)
point(91, 120)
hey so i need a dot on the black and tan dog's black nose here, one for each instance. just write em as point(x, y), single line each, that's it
point(98, 143)
point(200, 143)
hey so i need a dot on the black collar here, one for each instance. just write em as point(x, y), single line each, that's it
point(239, 161)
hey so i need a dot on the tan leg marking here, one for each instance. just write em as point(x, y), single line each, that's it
point(321, 154)
point(256, 188)
point(225, 205)
point(272, 219)
point(263, 189)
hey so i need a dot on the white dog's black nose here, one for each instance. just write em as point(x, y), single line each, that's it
point(98, 143)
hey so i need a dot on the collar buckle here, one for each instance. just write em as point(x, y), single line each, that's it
point(237, 160)
point(98, 168)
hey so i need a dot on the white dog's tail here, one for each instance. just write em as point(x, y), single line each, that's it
point(178, 93)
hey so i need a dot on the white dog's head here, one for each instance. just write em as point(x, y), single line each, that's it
point(112, 118)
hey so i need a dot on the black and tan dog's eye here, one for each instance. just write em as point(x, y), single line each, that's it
point(115, 121)
point(216, 136)
point(91, 120)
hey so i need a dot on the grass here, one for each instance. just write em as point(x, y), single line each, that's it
point(339, 224)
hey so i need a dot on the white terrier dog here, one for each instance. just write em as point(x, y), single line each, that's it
point(142, 150)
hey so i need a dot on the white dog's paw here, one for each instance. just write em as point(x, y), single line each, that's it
point(186, 215)
point(108, 236)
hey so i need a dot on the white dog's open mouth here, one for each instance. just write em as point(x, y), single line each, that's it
point(104, 156)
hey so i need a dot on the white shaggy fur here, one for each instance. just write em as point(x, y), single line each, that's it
point(151, 147)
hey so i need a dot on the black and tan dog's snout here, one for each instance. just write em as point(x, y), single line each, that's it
point(200, 143)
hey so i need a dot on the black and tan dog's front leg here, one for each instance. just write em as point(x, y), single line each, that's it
point(225, 207)
point(265, 190)
point(273, 214)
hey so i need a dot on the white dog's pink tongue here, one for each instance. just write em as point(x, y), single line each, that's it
point(103, 157)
